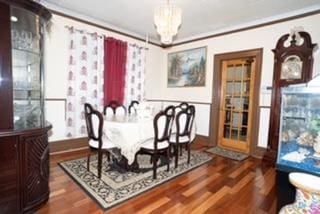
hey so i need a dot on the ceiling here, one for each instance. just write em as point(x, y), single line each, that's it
point(199, 17)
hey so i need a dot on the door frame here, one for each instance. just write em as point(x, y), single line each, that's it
point(216, 95)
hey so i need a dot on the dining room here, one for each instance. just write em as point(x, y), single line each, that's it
point(118, 107)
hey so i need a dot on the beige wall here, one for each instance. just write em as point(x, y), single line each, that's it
point(56, 57)
point(263, 37)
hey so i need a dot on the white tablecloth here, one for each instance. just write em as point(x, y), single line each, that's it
point(128, 133)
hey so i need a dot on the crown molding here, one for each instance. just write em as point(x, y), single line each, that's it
point(64, 12)
point(251, 25)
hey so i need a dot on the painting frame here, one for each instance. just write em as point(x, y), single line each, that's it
point(187, 68)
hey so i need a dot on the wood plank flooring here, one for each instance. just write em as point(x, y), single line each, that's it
point(221, 186)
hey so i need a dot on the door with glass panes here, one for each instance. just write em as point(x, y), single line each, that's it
point(236, 104)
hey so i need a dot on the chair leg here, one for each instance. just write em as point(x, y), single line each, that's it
point(99, 163)
point(170, 149)
point(168, 159)
point(188, 147)
point(181, 149)
point(88, 162)
point(176, 148)
point(155, 166)
point(151, 159)
point(108, 156)
point(135, 164)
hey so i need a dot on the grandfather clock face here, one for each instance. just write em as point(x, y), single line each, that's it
point(291, 68)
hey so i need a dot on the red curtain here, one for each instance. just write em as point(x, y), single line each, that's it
point(115, 67)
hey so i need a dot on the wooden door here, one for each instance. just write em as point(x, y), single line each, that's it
point(236, 104)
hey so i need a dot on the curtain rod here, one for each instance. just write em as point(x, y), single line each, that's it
point(138, 46)
point(84, 31)
point(101, 35)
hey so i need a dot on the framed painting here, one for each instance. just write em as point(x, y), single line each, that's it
point(187, 68)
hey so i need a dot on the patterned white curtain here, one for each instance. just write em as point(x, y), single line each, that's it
point(135, 74)
point(85, 79)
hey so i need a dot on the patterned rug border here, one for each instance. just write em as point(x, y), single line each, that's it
point(100, 202)
point(76, 179)
point(210, 150)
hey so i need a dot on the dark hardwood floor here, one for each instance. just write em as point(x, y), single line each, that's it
point(221, 186)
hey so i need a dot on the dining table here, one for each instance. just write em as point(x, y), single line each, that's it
point(129, 132)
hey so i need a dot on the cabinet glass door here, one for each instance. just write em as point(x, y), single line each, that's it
point(26, 69)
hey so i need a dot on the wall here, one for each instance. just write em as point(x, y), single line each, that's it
point(56, 57)
point(156, 69)
point(263, 37)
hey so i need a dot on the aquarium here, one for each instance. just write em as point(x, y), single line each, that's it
point(299, 139)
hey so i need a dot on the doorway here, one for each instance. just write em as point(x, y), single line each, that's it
point(235, 101)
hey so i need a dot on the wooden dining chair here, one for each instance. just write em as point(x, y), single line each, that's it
point(97, 141)
point(171, 111)
point(183, 121)
point(159, 145)
point(133, 107)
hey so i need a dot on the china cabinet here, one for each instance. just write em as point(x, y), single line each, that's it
point(24, 158)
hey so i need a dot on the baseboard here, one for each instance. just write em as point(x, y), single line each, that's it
point(69, 145)
point(201, 139)
point(258, 152)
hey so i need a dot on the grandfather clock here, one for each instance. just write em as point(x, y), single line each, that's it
point(293, 62)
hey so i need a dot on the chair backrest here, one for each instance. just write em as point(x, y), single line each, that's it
point(161, 124)
point(120, 111)
point(177, 109)
point(108, 111)
point(133, 107)
point(94, 122)
point(171, 111)
point(113, 105)
point(184, 105)
point(192, 111)
point(184, 122)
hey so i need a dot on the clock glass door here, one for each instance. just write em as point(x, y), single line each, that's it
point(236, 104)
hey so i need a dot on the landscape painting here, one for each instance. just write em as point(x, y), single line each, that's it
point(187, 68)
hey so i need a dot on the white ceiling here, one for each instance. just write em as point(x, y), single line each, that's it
point(199, 17)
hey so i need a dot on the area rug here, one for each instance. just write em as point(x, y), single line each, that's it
point(115, 187)
point(228, 154)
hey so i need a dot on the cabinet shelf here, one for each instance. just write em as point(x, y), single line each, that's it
point(293, 118)
point(27, 99)
point(25, 89)
point(26, 51)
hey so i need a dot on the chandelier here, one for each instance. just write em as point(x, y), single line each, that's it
point(167, 19)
